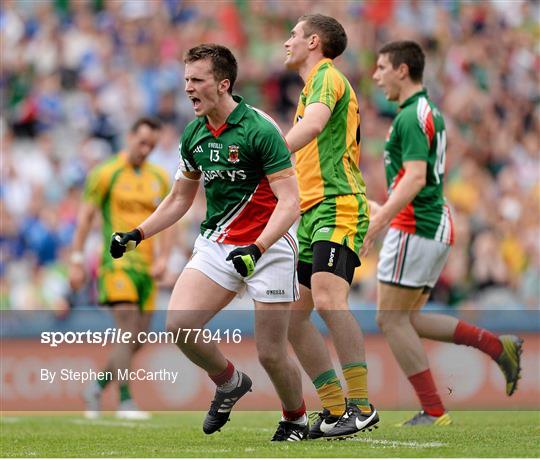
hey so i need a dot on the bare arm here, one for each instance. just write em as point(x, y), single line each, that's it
point(411, 183)
point(164, 248)
point(285, 188)
point(85, 218)
point(87, 212)
point(174, 205)
point(309, 127)
point(373, 208)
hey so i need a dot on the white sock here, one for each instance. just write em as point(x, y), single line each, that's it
point(95, 387)
point(299, 421)
point(230, 384)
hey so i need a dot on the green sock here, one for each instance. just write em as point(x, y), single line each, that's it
point(124, 392)
point(104, 381)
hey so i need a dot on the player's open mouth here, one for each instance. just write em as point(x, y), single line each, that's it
point(196, 102)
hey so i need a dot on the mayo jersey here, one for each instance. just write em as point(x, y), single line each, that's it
point(418, 133)
point(328, 165)
point(234, 161)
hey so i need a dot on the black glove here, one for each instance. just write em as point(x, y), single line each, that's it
point(245, 258)
point(122, 242)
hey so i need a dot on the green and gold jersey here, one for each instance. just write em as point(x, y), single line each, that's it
point(328, 165)
point(418, 133)
point(234, 161)
point(126, 196)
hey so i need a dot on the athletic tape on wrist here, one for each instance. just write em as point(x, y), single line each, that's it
point(141, 232)
point(261, 246)
point(76, 257)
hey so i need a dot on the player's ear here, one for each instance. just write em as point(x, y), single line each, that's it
point(224, 86)
point(403, 71)
point(313, 41)
point(129, 138)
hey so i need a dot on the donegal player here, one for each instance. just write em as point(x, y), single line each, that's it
point(124, 190)
point(335, 217)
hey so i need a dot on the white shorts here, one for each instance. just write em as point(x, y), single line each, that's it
point(410, 260)
point(274, 279)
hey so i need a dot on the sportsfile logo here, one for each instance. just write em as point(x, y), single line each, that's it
point(118, 336)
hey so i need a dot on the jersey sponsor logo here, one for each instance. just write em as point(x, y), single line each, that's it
point(135, 207)
point(387, 159)
point(234, 154)
point(198, 149)
point(275, 292)
point(232, 176)
point(215, 145)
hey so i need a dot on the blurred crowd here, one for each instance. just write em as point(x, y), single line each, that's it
point(75, 74)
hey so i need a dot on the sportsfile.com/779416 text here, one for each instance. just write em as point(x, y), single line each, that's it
point(114, 335)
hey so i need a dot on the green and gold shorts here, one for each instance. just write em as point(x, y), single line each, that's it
point(126, 285)
point(341, 219)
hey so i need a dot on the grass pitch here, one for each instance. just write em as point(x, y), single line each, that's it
point(473, 434)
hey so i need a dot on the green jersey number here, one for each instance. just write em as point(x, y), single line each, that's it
point(438, 168)
point(214, 155)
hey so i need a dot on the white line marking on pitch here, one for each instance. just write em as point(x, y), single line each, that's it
point(258, 430)
point(113, 423)
point(391, 443)
point(206, 450)
point(10, 419)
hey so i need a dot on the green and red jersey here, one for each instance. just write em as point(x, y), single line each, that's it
point(418, 134)
point(234, 161)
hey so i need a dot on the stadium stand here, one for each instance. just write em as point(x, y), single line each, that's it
point(75, 75)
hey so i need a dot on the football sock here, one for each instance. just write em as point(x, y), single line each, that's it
point(357, 391)
point(228, 379)
point(427, 393)
point(482, 339)
point(232, 383)
point(330, 392)
point(124, 392)
point(296, 416)
point(302, 421)
point(105, 380)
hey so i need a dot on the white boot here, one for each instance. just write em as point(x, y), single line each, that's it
point(92, 400)
point(128, 410)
